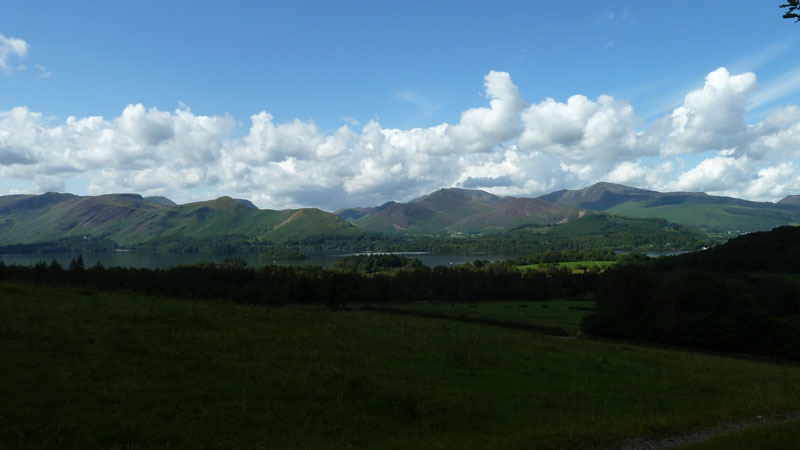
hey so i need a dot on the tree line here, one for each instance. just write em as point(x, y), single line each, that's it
point(743, 297)
point(367, 279)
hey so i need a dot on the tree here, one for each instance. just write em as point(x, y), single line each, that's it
point(77, 264)
point(793, 8)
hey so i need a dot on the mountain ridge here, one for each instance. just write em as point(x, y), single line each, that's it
point(715, 214)
point(129, 219)
point(458, 211)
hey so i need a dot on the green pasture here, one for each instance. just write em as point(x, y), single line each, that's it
point(711, 217)
point(574, 265)
point(83, 369)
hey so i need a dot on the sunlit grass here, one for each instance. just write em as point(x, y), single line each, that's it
point(575, 266)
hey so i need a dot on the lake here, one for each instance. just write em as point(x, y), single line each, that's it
point(157, 260)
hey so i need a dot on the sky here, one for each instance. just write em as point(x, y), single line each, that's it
point(351, 103)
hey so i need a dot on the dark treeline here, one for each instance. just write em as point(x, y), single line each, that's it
point(277, 285)
point(369, 264)
point(776, 250)
point(743, 296)
point(66, 245)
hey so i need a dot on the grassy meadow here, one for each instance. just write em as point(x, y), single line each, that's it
point(83, 369)
point(575, 266)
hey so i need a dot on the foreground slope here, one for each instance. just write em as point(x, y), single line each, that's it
point(86, 369)
point(456, 210)
point(130, 219)
point(715, 214)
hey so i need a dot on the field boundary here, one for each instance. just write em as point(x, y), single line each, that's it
point(696, 436)
point(541, 329)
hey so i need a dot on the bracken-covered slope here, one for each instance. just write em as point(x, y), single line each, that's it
point(715, 214)
point(130, 219)
point(790, 200)
point(458, 210)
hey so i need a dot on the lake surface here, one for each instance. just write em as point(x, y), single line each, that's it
point(156, 260)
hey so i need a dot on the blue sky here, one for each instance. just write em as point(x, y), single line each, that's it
point(180, 87)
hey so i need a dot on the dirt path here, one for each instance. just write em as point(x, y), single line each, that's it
point(701, 434)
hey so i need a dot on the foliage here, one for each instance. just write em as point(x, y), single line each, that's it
point(555, 256)
point(376, 263)
point(757, 313)
point(83, 244)
point(737, 297)
point(356, 280)
point(775, 250)
point(791, 6)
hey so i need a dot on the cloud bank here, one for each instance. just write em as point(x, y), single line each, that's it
point(508, 147)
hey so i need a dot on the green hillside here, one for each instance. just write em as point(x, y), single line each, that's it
point(716, 218)
point(129, 219)
point(721, 215)
point(599, 230)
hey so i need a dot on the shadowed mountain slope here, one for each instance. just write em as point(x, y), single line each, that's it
point(790, 200)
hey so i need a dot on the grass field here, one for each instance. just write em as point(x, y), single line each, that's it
point(81, 369)
point(579, 266)
point(711, 217)
point(564, 314)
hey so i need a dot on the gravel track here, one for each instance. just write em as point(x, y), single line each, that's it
point(701, 434)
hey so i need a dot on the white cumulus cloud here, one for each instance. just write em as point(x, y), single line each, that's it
point(12, 51)
point(507, 146)
point(712, 117)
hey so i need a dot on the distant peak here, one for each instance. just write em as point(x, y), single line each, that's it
point(457, 194)
point(246, 203)
point(160, 200)
point(614, 187)
point(790, 200)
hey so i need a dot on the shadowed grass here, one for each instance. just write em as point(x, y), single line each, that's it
point(98, 370)
point(563, 314)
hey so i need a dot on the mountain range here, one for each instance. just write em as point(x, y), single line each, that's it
point(130, 219)
point(458, 211)
point(714, 214)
